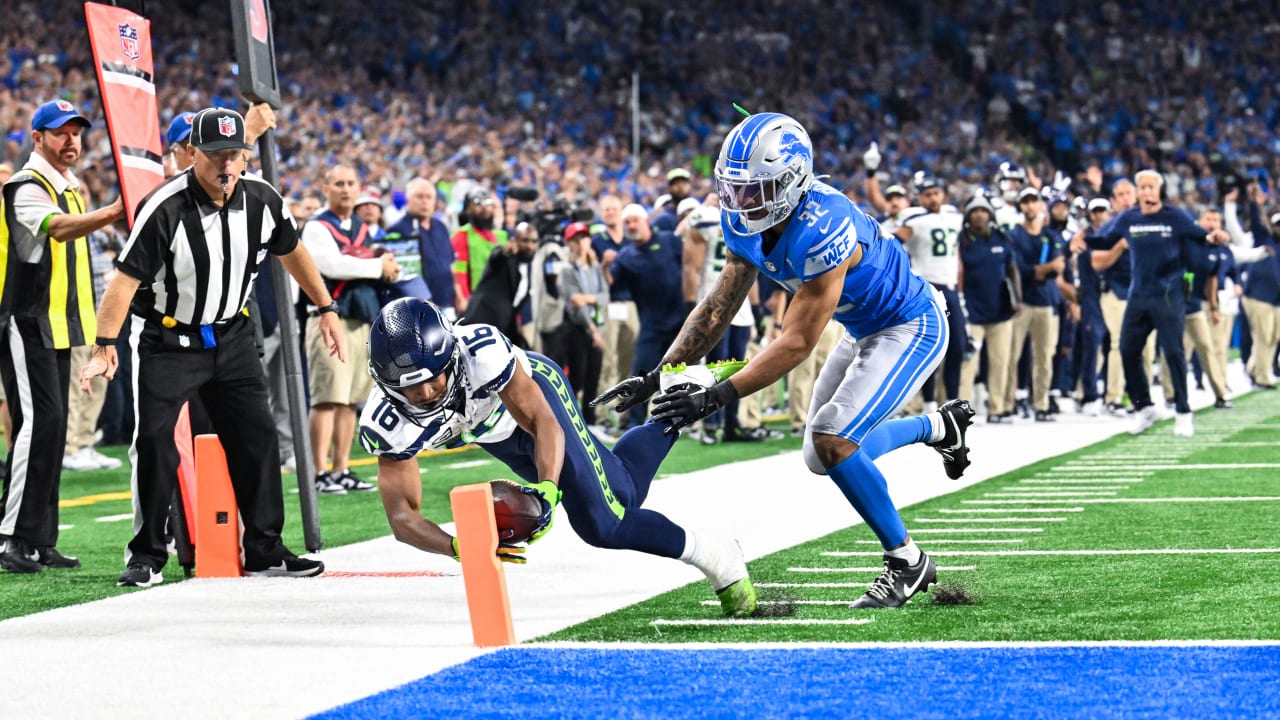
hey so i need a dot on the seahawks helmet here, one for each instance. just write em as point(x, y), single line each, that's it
point(411, 342)
point(922, 181)
point(1010, 178)
point(765, 168)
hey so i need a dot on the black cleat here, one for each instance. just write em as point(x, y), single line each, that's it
point(16, 558)
point(292, 566)
point(898, 583)
point(48, 556)
point(956, 416)
point(139, 575)
point(1223, 404)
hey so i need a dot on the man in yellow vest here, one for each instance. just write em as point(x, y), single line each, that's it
point(472, 245)
point(46, 308)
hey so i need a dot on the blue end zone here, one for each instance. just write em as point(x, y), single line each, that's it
point(892, 683)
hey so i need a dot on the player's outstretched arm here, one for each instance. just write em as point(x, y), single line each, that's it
point(807, 315)
point(529, 408)
point(400, 485)
point(709, 320)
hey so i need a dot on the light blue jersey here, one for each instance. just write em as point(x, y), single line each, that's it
point(879, 293)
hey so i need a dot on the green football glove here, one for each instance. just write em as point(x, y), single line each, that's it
point(506, 553)
point(549, 493)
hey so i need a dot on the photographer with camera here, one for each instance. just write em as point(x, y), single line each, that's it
point(504, 285)
point(352, 268)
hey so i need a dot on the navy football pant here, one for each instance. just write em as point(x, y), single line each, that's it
point(1167, 317)
point(954, 359)
point(603, 490)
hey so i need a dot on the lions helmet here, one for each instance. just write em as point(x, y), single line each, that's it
point(411, 342)
point(764, 169)
point(1010, 178)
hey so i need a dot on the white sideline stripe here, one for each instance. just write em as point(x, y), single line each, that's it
point(932, 541)
point(1079, 481)
point(1169, 551)
point(1126, 500)
point(989, 519)
point(939, 531)
point(1034, 494)
point(716, 603)
point(115, 518)
point(1193, 466)
point(1011, 510)
point(1070, 489)
point(839, 553)
point(1086, 471)
point(761, 621)
point(909, 645)
point(467, 464)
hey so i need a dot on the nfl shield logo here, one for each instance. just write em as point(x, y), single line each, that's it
point(227, 126)
point(129, 41)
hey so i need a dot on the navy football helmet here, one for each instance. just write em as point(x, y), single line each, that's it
point(411, 342)
point(1010, 179)
point(922, 181)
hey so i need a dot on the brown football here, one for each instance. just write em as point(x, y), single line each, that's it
point(515, 512)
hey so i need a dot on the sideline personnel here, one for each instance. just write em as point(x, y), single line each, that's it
point(196, 245)
point(48, 289)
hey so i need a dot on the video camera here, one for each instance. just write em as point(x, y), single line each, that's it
point(549, 219)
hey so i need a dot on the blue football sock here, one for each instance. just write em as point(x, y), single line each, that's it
point(893, 434)
point(864, 487)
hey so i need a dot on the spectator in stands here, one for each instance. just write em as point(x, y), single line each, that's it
point(369, 210)
point(337, 240)
point(472, 245)
point(586, 294)
point(427, 239)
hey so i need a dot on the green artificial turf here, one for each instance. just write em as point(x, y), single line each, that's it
point(1228, 595)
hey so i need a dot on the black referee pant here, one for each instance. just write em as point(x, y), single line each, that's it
point(36, 381)
point(228, 379)
point(954, 359)
point(1167, 316)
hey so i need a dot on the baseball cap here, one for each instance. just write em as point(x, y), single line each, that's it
point(214, 129)
point(687, 205)
point(1027, 193)
point(634, 210)
point(369, 196)
point(55, 114)
point(573, 230)
point(895, 190)
point(179, 127)
point(1099, 204)
point(678, 174)
point(478, 196)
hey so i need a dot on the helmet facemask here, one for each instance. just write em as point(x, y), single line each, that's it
point(761, 181)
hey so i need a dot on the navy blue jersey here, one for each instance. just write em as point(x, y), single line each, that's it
point(1030, 251)
point(879, 293)
point(985, 260)
point(1160, 248)
point(651, 273)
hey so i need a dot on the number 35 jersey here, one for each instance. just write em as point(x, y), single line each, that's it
point(486, 363)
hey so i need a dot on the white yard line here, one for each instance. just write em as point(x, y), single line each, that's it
point(1079, 481)
point(1096, 501)
point(1166, 551)
point(1011, 510)
point(468, 464)
point(114, 518)
point(1180, 466)
point(1036, 494)
point(936, 540)
point(988, 519)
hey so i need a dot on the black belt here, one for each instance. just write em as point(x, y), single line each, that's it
point(208, 334)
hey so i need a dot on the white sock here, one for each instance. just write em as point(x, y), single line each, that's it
point(939, 427)
point(908, 552)
point(719, 558)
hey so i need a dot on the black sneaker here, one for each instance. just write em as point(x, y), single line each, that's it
point(1045, 417)
point(48, 556)
point(757, 434)
point(956, 416)
point(1223, 404)
point(898, 583)
point(139, 575)
point(16, 558)
point(327, 484)
point(1001, 419)
point(352, 482)
point(292, 566)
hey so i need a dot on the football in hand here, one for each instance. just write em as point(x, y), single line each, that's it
point(516, 513)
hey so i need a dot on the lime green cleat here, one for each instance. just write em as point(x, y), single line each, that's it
point(704, 375)
point(739, 599)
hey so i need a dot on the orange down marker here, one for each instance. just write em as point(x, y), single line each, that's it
point(217, 517)
point(482, 572)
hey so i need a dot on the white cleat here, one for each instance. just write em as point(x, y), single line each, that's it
point(1143, 419)
point(1184, 425)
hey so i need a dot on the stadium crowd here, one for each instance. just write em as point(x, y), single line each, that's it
point(1066, 98)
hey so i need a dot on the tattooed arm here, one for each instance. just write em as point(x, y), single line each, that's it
point(709, 320)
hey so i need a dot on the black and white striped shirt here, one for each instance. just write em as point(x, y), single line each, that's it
point(196, 262)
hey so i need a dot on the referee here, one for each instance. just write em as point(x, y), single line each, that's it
point(47, 309)
point(188, 268)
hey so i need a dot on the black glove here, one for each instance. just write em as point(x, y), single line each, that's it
point(632, 391)
point(686, 404)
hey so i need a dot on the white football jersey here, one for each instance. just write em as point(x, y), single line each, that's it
point(934, 246)
point(706, 220)
point(1008, 216)
point(890, 225)
point(486, 363)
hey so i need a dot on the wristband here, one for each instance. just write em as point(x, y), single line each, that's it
point(104, 341)
point(871, 172)
point(330, 308)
